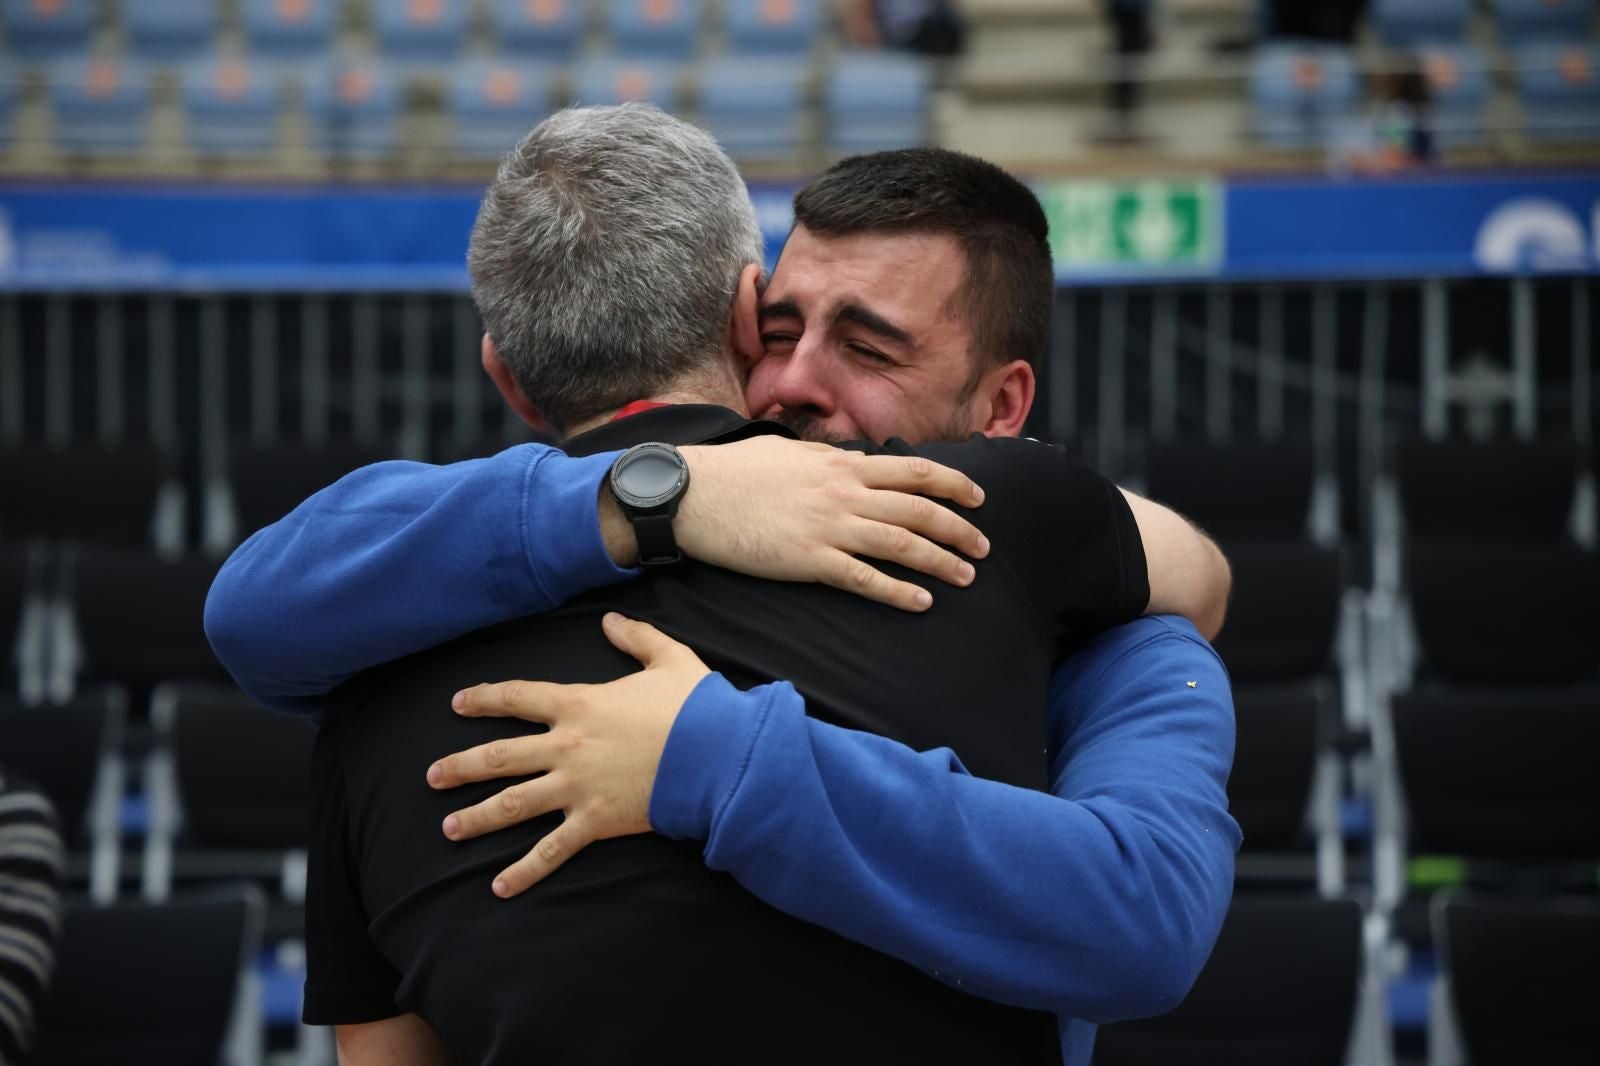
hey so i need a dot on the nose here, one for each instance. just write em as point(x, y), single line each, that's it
point(801, 385)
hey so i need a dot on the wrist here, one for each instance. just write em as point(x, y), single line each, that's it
point(615, 529)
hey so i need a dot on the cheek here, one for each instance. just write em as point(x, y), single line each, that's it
point(758, 388)
point(876, 410)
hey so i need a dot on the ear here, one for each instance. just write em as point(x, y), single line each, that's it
point(510, 391)
point(744, 320)
point(1009, 390)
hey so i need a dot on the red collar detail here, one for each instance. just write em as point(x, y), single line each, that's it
point(636, 407)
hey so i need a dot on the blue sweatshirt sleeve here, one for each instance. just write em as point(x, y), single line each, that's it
point(1100, 901)
point(397, 557)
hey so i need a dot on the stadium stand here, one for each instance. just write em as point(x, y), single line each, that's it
point(1418, 22)
point(1238, 491)
point(773, 27)
point(1458, 78)
point(355, 108)
point(149, 984)
point(538, 29)
point(613, 81)
point(1302, 93)
point(492, 103)
point(1284, 984)
point(101, 106)
point(1526, 21)
point(169, 29)
point(1520, 978)
point(1560, 91)
point(654, 29)
point(10, 93)
point(289, 29)
point(84, 493)
point(266, 483)
point(47, 31)
point(755, 107)
point(420, 30)
point(874, 102)
point(231, 106)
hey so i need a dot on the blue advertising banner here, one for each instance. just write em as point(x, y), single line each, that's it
point(261, 238)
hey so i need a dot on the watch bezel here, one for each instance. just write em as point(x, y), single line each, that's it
point(632, 500)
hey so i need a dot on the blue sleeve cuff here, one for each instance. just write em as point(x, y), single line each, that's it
point(706, 755)
point(561, 525)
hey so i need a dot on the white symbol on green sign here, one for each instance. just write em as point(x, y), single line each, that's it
point(1134, 226)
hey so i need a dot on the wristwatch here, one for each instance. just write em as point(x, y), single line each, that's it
point(648, 481)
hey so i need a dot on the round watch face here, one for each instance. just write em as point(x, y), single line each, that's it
point(649, 475)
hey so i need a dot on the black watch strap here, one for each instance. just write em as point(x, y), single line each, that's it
point(657, 544)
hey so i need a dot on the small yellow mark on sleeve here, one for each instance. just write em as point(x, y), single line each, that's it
point(1194, 684)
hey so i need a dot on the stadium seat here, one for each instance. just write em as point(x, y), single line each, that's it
point(427, 30)
point(654, 29)
point(60, 747)
point(875, 102)
point(1499, 490)
point(610, 81)
point(773, 27)
point(1522, 977)
point(493, 103)
point(10, 95)
point(539, 29)
point(102, 106)
point(754, 107)
point(1285, 611)
point(266, 483)
point(14, 580)
point(1279, 733)
point(47, 30)
point(1560, 89)
point(289, 29)
point(1416, 22)
point(230, 106)
point(87, 494)
point(148, 984)
point(1282, 985)
point(139, 620)
point(1527, 21)
point(1459, 82)
point(1243, 491)
point(1302, 93)
point(355, 109)
point(169, 29)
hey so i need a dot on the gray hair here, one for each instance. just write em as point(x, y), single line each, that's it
point(606, 255)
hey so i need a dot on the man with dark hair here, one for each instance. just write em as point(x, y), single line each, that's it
point(1098, 902)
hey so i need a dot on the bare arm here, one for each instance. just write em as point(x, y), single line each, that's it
point(1189, 575)
point(405, 1040)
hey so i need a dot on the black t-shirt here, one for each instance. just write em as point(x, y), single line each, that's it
point(635, 948)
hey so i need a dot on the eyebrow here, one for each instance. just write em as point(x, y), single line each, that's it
point(853, 313)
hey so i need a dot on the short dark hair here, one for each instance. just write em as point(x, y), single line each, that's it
point(994, 218)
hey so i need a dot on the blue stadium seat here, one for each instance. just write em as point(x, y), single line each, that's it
point(549, 29)
point(1528, 21)
point(1459, 80)
point(665, 29)
point(230, 106)
point(102, 106)
point(1560, 87)
point(425, 30)
point(38, 30)
point(289, 28)
point(169, 29)
point(10, 91)
point(1301, 93)
point(613, 81)
point(785, 27)
point(876, 101)
point(755, 107)
point(355, 109)
point(492, 104)
point(1410, 22)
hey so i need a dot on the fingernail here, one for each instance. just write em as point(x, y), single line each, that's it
point(459, 700)
point(612, 618)
point(501, 889)
point(983, 547)
point(452, 825)
point(923, 598)
point(977, 495)
point(435, 774)
point(966, 573)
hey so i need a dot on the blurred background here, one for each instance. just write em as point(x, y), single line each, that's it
point(1328, 284)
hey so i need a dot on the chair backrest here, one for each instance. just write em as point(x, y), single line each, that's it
point(289, 27)
point(1524, 977)
point(1523, 21)
point(141, 620)
point(147, 984)
point(744, 86)
point(1493, 490)
point(1256, 490)
point(58, 747)
point(609, 81)
point(260, 801)
point(1500, 773)
point(170, 29)
point(47, 29)
point(420, 29)
point(1457, 76)
point(1274, 760)
point(497, 89)
point(551, 29)
point(1284, 613)
point(1566, 73)
point(86, 494)
point(269, 482)
point(661, 29)
point(15, 567)
point(1281, 986)
point(229, 86)
point(765, 27)
point(101, 105)
point(1412, 22)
